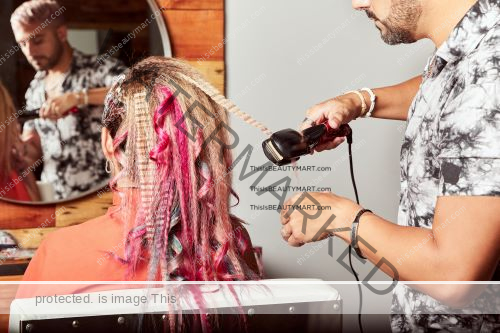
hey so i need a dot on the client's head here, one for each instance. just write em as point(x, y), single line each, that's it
point(166, 137)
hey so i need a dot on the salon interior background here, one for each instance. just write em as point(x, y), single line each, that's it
point(285, 56)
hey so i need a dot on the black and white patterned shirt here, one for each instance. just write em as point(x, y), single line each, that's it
point(73, 158)
point(452, 147)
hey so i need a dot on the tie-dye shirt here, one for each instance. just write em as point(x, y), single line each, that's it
point(451, 147)
point(73, 158)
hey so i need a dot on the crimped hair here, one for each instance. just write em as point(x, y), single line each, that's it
point(37, 12)
point(171, 140)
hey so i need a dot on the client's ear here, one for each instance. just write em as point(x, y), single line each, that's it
point(107, 144)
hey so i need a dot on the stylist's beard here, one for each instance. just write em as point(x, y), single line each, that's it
point(44, 63)
point(400, 26)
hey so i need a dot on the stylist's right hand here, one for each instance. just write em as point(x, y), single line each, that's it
point(339, 110)
point(57, 107)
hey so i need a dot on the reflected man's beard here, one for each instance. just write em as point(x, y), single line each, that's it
point(52, 60)
point(40, 66)
point(401, 24)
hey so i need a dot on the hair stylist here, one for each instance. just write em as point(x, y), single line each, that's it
point(65, 78)
point(450, 162)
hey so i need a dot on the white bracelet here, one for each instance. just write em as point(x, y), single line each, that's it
point(85, 96)
point(372, 101)
point(363, 103)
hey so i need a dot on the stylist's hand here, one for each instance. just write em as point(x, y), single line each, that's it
point(57, 107)
point(339, 110)
point(343, 210)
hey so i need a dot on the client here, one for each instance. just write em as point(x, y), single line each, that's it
point(17, 181)
point(166, 142)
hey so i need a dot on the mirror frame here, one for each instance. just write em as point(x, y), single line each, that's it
point(162, 27)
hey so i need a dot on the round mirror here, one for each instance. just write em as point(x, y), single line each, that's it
point(57, 61)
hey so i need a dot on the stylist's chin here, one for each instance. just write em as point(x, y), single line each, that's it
point(312, 216)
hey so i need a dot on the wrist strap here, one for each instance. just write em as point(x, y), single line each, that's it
point(363, 103)
point(354, 232)
point(372, 101)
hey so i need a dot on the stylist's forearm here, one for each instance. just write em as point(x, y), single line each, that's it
point(97, 95)
point(392, 242)
point(414, 255)
point(394, 102)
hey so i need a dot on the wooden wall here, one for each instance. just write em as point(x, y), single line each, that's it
point(196, 30)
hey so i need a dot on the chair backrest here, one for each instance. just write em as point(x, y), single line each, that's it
point(291, 305)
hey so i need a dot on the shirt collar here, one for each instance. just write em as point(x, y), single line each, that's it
point(469, 32)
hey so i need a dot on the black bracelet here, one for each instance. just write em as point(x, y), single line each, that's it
point(354, 232)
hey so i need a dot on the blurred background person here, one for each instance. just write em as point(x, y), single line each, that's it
point(65, 79)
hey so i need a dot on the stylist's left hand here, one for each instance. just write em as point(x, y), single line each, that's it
point(343, 210)
point(57, 107)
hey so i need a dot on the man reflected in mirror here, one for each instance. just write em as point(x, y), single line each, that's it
point(69, 89)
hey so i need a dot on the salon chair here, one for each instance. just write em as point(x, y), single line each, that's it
point(285, 305)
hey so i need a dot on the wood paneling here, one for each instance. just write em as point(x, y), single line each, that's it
point(213, 71)
point(196, 31)
point(29, 224)
point(10, 278)
point(196, 34)
point(191, 4)
point(16, 216)
point(109, 12)
point(30, 238)
point(78, 211)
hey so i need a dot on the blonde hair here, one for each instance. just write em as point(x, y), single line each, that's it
point(171, 138)
point(38, 11)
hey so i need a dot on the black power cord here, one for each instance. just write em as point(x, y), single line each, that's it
point(349, 145)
